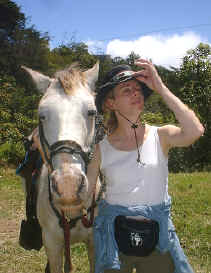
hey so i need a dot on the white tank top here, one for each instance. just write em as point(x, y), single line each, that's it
point(129, 184)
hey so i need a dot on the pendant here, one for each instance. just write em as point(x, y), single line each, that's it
point(141, 164)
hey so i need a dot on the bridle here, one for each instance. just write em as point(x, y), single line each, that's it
point(62, 146)
point(69, 147)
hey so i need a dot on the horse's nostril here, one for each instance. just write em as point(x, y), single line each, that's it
point(54, 184)
point(55, 188)
point(82, 184)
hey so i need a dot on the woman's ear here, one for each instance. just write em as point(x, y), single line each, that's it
point(109, 103)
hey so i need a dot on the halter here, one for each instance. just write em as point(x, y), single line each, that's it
point(69, 147)
point(62, 146)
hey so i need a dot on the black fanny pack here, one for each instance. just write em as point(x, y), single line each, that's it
point(136, 237)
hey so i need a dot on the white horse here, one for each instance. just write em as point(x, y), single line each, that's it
point(66, 133)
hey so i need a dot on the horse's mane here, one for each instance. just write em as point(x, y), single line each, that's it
point(70, 77)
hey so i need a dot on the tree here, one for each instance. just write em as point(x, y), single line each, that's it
point(73, 52)
point(20, 45)
point(10, 19)
point(17, 117)
point(194, 76)
point(132, 57)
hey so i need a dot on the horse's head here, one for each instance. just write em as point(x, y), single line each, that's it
point(66, 130)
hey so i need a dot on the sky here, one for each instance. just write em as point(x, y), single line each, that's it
point(162, 31)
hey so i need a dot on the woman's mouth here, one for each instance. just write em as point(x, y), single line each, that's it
point(137, 101)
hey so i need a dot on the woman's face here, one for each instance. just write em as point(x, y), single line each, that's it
point(128, 97)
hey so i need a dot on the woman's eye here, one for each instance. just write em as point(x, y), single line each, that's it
point(137, 88)
point(126, 91)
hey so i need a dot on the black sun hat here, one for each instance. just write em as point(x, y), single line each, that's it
point(118, 74)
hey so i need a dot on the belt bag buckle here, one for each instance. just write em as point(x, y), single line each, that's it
point(136, 236)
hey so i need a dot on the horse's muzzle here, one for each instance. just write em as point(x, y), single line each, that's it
point(69, 190)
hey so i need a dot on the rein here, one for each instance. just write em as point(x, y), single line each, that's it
point(72, 222)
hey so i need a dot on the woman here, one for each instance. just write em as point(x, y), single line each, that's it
point(133, 157)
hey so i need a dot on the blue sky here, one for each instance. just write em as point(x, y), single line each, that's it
point(160, 30)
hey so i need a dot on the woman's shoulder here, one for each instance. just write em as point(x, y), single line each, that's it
point(102, 142)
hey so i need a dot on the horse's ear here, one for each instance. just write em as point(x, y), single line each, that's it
point(92, 75)
point(41, 81)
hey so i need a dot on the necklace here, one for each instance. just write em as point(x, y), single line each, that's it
point(134, 126)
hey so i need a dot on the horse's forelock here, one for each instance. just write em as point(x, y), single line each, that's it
point(70, 78)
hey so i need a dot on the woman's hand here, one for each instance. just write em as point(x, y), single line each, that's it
point(149, 76)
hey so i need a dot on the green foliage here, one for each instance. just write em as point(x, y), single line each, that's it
point(11, 152)
point(20, 45)
point(17, 118)
point(18, 98)
point(10, 18)
point(65, 55)
point(192, 84)
point(153, 118)
point(195, 81)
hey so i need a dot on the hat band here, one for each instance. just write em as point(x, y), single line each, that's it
point(121, 77)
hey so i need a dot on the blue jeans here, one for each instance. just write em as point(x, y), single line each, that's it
point(154, 263)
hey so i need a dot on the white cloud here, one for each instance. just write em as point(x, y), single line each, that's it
point(95, 47)
point(162, 50)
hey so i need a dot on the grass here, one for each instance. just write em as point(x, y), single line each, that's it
point(191, 212)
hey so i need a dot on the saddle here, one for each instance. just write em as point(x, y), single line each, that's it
point(30, 236)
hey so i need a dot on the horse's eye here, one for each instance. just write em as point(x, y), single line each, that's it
point(92, 113)
point(42, 118)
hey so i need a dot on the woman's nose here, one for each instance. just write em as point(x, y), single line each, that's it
point(135, 92)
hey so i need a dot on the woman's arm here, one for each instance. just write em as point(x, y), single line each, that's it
point(93, 168)
point(190, 127)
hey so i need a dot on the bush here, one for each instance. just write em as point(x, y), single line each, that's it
point(11, 152)
point(17, 118)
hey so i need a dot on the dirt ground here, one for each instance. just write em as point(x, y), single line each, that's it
point(10, 219)
point(9, 229)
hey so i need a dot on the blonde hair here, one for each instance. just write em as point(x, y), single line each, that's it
point(110, 122)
